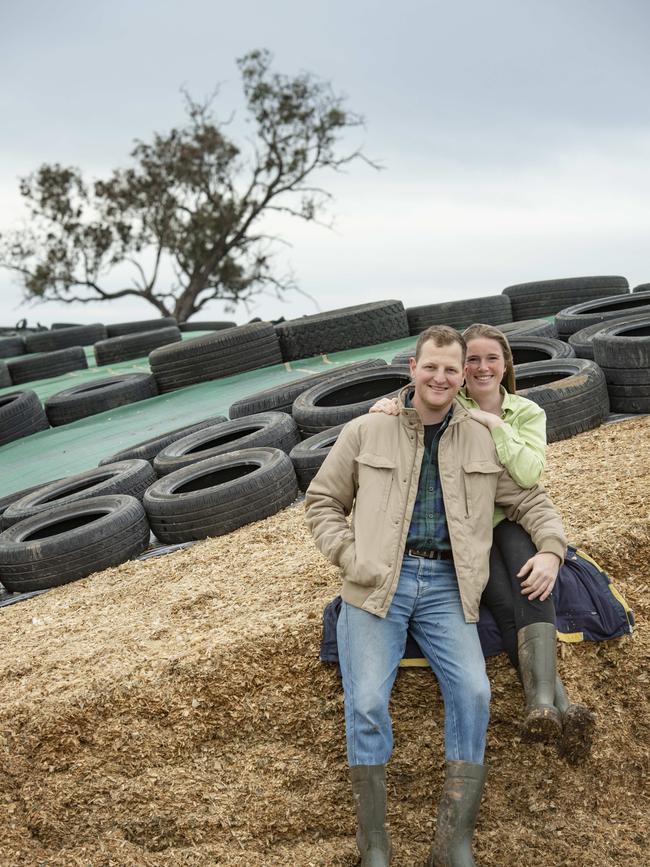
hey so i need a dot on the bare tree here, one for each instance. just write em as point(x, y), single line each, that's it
point(191, 197)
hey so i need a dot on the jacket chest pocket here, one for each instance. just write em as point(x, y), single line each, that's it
point(375, 479)
point(479, 486)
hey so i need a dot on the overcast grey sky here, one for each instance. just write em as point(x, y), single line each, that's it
point(515, 134)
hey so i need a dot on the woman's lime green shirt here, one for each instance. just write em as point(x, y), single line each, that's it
point(521, 442)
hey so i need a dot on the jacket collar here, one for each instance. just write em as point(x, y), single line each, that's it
point(410, 415)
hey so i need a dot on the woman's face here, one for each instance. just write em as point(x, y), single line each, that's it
point(484, 366)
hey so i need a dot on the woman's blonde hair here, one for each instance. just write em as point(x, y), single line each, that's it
point(479, 330)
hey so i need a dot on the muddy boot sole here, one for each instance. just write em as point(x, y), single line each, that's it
point(542, 725)
point(579, 725)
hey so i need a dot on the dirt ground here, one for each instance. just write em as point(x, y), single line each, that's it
point(174, 712)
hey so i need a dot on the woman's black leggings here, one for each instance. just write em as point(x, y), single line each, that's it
point(512, 610)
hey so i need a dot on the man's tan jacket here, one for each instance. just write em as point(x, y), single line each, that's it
point(375, 466)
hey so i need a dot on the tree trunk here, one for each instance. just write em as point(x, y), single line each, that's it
point(184, 306)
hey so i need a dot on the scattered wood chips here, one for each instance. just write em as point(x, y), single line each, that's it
point(174, 711)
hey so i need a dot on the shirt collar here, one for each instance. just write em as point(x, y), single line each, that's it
point(408, 403)
point(507, 400)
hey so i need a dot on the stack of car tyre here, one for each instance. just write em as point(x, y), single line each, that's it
point(344, 328)
point(45, 365)
point(491, 310)
point(117, 329)
point(137, 344)
point(622, 349)
point(577, 317)
point(547, 297)
point(571, 391)
point(212, 356)
point(90, 398)
point(64, 338)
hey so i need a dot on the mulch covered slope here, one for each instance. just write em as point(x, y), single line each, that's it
point(174, 711)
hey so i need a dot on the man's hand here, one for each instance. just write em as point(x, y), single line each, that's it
point(539, 574)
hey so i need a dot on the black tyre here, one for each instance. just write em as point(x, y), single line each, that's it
point(402, 358)
point(529, 328)
point(582, 341)
point(623, 350)
point(21, 414)
point(56, 326)
point(274, 429)
point(11, 346)
point(345, 397)
point(572, 392)
point(5, 376)
point(628, 376)
point(78, 335)
point(530, 349)
point(117, 329)
point(206, 326)
point(307, 456)
point(624, 344)
point(280, 398)
point(72, 541)
point(642, 287)
point(345, 328)
point(490, 310)
point(224, 353)
point(580, 316)
point(546, 297)
point(126, 477)
point(629, 390)
point(147, 450)
point(103, 394)
point(218, 495)
point(136, 345)
point(47, 364)
point(7, 500)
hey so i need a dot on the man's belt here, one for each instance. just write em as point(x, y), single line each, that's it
point(430, 555)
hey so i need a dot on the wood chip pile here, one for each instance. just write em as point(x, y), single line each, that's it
point(174, 711)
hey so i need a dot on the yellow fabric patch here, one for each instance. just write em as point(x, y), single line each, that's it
point(571, 637)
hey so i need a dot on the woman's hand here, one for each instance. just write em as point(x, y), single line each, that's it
point(489, 419)
point(539, 574)
point(387, 405)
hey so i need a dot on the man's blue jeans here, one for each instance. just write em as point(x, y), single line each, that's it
point(427, 601)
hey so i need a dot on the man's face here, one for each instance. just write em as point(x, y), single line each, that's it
point(437, 375)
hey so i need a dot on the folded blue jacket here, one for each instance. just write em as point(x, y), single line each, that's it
point(588, 607)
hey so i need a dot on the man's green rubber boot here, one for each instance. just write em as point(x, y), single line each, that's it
point(457, 813)
point(369, 791)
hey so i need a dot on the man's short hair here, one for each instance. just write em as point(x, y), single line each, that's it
point(442, 335)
